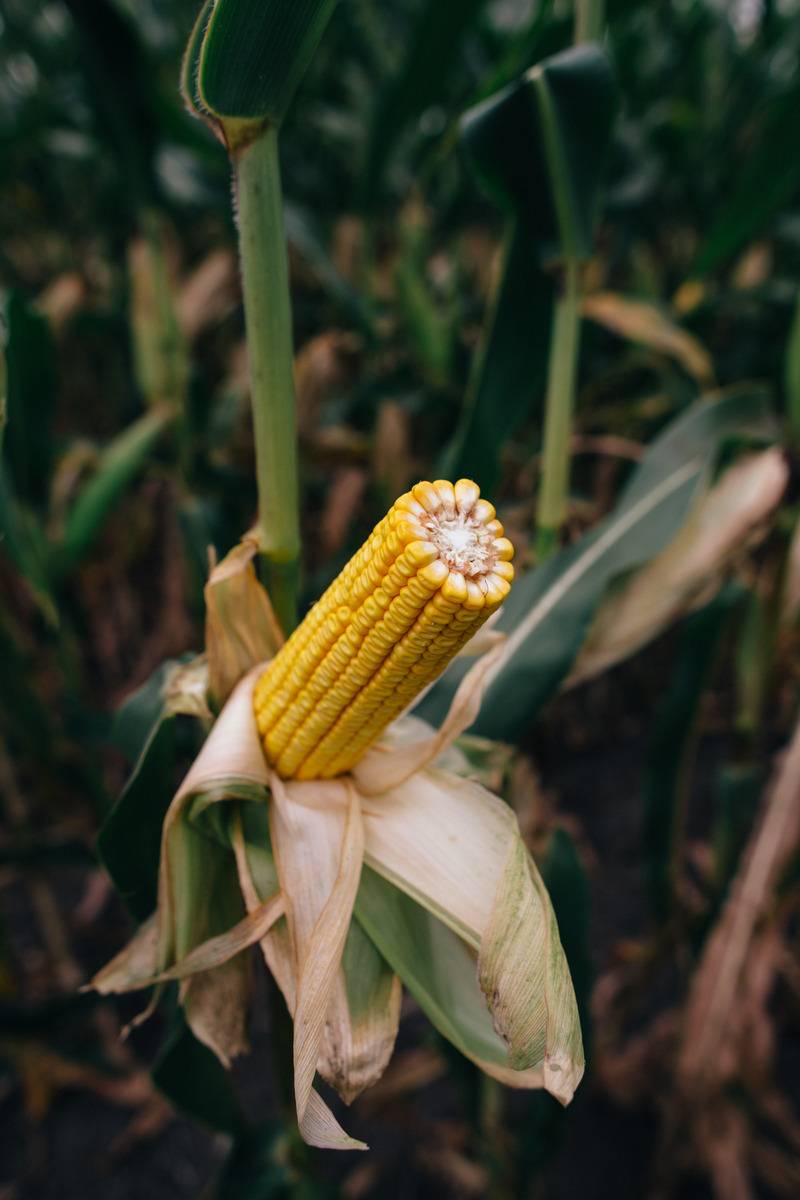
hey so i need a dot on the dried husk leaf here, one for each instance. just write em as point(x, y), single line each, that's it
point(318, 841)
point(241, 626)
point(136, 966)
point(363, 1018)
point(200, 907)
point(258, 876)
point(729, 518)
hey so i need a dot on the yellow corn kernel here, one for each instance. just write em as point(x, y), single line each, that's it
point(428, 576)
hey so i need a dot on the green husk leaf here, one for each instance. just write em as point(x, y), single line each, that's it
point(457, 850)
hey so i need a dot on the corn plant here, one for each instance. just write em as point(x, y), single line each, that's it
point(396, 771)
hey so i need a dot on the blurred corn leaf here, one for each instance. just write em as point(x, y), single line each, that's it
point(791, 373)
point(120, 85)
point(737, 794)
point(565, 878)
point(733, 516)
point(432, 50)
point(767, 176)
point(509, 366)
point(192, 1076)
point(117, 466)
point(257, 1167)
point(245, 61)
point(538, 148)
point(30, 398)
point(129, 843)
point(549, 610)
point(673, 742)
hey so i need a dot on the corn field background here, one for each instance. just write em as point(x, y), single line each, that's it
point(645, 731)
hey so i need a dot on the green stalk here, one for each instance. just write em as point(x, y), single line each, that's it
point(589, 20)
point(559, 404)
point(268, 321)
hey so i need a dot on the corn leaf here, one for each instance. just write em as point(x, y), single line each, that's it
point(129, 843)
point(767, 175)
point(549, 610)
point(117, 466)
point(192, 1077)
point(538, 148)
point(735, 514)
point(509, 366)
point(253, 56)
point(672, 747)
point(30, 397)
point(432, 48)
point(567, 885)
point(646, 324)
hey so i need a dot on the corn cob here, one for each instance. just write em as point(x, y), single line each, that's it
point(428, 576)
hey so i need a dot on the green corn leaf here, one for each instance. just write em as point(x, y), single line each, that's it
point(252, 56)
point(791, 373)
point(538, 148)
point(193, 1078)
point(549, 610)
point(118, 465)
point(767, 176)
point(566, 881)
point(190, 64)
point(129, 843)
point(257, 1167)
point(30, 396)
point(509, 366)
point(673, 744)
point(433, 48)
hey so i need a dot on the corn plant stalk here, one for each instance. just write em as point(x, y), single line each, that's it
point(589, 20)
point(559, 404)
point(562, 373)
point(268, 321)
